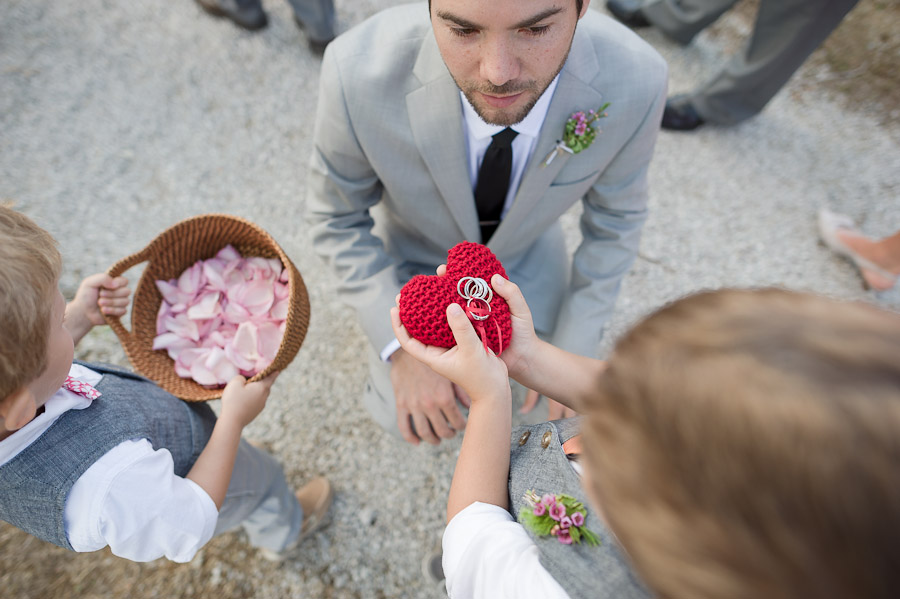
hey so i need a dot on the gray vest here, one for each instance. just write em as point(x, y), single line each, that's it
point(34, 484)
point(538, 462)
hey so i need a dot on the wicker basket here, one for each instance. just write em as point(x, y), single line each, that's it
point(167, 256)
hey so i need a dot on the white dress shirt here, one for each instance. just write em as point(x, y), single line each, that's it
point(479, 136)
point(129, 499)
point(488, 555)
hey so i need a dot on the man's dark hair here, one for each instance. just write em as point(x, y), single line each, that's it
point(578, 5)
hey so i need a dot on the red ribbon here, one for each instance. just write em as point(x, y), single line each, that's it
point(478, 316)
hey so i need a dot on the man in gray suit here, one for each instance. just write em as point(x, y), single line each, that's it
point(408, 108)
point(785, 34)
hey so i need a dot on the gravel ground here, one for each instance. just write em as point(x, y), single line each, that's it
point(118, 119)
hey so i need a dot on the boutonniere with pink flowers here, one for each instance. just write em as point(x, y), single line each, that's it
point(561, 516)
point(579, 133)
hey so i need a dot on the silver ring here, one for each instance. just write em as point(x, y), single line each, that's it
point(476, 316)
point(475, 288)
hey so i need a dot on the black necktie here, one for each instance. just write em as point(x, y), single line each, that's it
point(493, 182)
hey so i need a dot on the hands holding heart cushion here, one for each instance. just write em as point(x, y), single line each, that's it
point(424, 299)
point(428, 405)
point(466, 363)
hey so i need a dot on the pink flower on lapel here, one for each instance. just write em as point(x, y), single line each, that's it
point(560, 516)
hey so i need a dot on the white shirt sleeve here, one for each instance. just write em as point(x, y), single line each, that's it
point(487, 554)
point(131, 500)
point(389, 350)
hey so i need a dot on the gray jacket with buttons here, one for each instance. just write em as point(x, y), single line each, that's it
point(538, 463)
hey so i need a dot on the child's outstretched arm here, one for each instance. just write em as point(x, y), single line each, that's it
point(241, 403)
point(568, 378)
point(482, 468)
point(97, 295)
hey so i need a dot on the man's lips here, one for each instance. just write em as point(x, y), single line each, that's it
point(501, 101)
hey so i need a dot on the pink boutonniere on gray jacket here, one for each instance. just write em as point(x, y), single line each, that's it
point(561, 516)
point(579, 133)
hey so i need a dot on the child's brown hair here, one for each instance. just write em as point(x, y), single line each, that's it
point(30, 265)
point(746, 444)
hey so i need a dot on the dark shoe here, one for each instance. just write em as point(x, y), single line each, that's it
point(317, 46)
point(628, 12)
point(432, 568)
point(680, 115)
point(248, 15)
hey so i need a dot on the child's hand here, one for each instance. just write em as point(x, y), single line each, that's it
point(243, 401)
point(524, 339)
point(521, 347)
point(97, 295)
point(101, 294)
point(479, 372)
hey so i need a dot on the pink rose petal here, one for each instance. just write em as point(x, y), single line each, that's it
point(279, 309)
point(246, 341)
point(191, 279)
point(282, 290)
point(171, 341)
point(269, 340)
point(214, 271)
point(204, 306)
point(228, 253)
point(202, 374)
point(183, 326)
point(235, 313)
point(256, 296)
point(242, 363)
point(169, 291)
point(186, 357)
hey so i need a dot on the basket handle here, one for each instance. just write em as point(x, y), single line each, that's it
point(115, 322)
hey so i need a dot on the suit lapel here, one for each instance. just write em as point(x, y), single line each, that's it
point(573, 93)
point(435, 117)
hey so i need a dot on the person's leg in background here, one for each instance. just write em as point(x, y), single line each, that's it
point(785, 34)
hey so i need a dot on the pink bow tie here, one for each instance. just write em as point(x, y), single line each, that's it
point(83, 389)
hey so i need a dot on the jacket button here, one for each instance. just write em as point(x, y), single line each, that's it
point(524, 437)
point(545, 440)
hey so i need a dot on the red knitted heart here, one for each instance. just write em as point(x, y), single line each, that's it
point(424, 299)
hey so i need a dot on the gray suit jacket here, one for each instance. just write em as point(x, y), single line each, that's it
point(537, 462)
point(389, 189)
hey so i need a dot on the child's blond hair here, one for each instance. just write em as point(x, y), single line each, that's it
point(30, 266)
point(746, 444)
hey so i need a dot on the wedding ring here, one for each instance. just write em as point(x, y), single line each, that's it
point(476, 316)
point(475, 288)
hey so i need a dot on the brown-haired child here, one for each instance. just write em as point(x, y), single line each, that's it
point(94, 456)
point(737, 444)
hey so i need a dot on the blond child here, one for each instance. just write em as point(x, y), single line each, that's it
point(739, 444)
point(94, 456)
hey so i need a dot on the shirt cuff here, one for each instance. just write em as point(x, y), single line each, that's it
point(389, 350)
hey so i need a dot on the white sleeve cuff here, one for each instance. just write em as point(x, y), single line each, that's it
point(389, 350)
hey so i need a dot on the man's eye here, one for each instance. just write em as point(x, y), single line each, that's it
point(463, 31)
point(537, 30)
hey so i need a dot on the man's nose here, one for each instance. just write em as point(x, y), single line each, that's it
point(499, 63)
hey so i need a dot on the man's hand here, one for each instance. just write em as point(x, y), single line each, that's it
point(97, 295)
point(243, 401)
point(479, 372)
point(427, 398)
point(555, 410)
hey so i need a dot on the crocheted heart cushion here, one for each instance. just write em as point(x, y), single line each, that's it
point(424, 299)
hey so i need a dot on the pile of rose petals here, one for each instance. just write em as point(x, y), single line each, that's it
point(223, 316)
